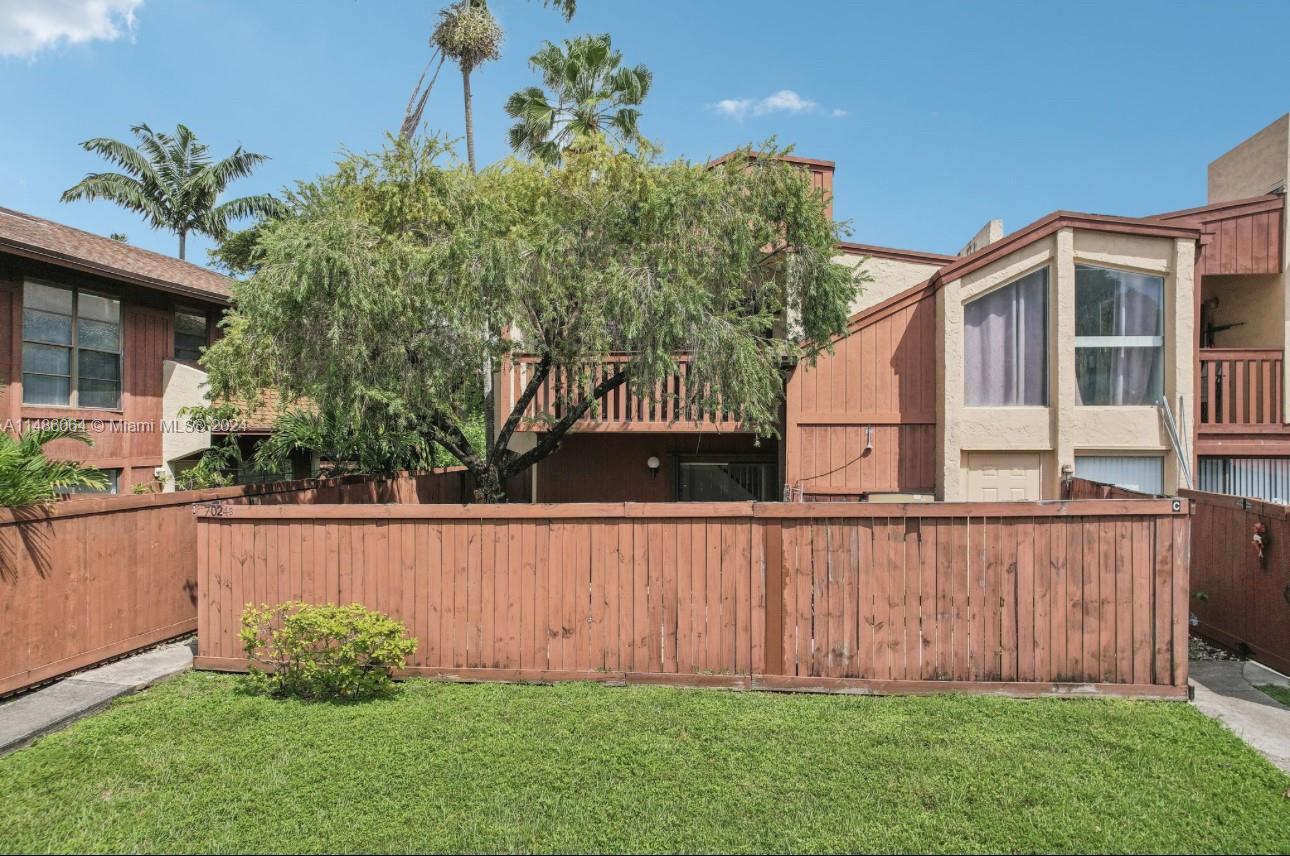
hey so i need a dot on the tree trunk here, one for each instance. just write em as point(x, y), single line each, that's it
point(489, 486)
point(470, 119)
point(183, 239)
point(490, 428)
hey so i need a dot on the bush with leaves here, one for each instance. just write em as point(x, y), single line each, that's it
point(323, 651)
point(28, 476)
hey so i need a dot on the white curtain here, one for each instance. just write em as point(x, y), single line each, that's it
point(1118, 336)
point(1006, 344)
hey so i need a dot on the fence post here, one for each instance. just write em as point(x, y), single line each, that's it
point(773, 534)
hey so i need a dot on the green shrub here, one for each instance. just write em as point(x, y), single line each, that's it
point(323, 651)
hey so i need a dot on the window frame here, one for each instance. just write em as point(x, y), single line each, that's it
point(113, 474)
point(73, 393)
point(1134, 341)
point(717, 459)
point(1047, 268)
point(188, 309)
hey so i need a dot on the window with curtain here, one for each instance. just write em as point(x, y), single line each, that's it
point(1005, 347)
point(1119, 336)
point(71, 347)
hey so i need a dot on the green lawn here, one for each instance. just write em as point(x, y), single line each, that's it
point(195, 765)
point(1281, 694)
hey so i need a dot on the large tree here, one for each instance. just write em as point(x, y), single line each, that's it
point(378, 295)
point(591, 93)
point(173, 182)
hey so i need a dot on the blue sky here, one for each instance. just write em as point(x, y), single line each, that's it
point(939, 115)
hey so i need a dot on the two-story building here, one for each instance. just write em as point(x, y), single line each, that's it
point(1142, 351)
point(105, 336)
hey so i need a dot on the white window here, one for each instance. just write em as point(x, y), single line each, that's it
point(71, 347)
point(1119, 336)
point(1143, 473)
point(1005, 344)
point(113, 482)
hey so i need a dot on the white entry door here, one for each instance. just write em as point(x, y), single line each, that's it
point(1003, 476)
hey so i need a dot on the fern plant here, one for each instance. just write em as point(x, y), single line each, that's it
point(29, 477)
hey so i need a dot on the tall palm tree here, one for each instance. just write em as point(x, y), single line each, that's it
point(173, 183)
point(28, 476)
point(592, 93)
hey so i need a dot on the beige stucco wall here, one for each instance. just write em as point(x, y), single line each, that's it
point(1254, 167)
point(1063, 429)
point(1253, 301)
point(985, 236)
point(182, 386)
point(1258, 165)
point(890, 277)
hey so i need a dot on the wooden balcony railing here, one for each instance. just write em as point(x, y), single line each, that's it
point(625, 408)
point(1241, 390)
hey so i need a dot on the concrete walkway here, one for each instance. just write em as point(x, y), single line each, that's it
point(38, 713)
point(1225, 690)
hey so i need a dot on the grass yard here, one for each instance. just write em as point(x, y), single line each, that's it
point(1281, 694)
point(195, 765)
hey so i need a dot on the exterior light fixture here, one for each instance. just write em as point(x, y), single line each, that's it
point(653, 463)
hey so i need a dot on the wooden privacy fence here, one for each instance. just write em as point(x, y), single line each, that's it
point(91, 579)
point(1240, 601)
point(1023, 598)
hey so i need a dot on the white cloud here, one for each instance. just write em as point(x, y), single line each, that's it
point(28, 27)
point(783, 101)
point(838, 113)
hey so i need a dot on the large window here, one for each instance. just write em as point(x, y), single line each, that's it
point(190, 334)
point(71, 347)
point(1005, 357)
point(1119, 336)
point(725, 481)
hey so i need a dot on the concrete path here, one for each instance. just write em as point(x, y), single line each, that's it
point(1225, 690)
point(38, 713)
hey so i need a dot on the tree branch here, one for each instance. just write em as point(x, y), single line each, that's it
point(521, 462)
point(540, 372)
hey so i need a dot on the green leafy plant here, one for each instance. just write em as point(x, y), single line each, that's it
point(323, 651)
point(213, 469)
point(172, 181)
point(28, 476)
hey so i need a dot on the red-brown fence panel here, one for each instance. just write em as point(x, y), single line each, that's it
point(93, 578)
point(1240, 600)
point(1024, 598)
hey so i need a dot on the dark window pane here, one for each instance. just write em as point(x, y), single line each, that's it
point(46, 359)
point(190, 324)
point(726, 482)
point(1118, 376)
point(1117, 303)
point(47, 297)
point(44, 327)
point(189, 347)
point(99, 335)
point(97, 308)
point(44, 389)
point(100, 366)
point(98, 393)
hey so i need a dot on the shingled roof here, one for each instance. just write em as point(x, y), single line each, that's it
point(44, 240)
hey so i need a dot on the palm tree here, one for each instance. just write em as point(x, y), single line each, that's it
point(173, 183)
point(29, 477)
point(593, 94)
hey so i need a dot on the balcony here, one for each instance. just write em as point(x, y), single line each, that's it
point(1241, 391)
point(665, 409)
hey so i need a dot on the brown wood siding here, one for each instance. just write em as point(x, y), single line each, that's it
point(128, 439)
point(879, 382)
point(1245, 602)
point(1031, 598)
point(1243, 243)
point(606, 467)
point(91, 579)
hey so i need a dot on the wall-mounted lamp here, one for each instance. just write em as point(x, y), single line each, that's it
point(653, 463)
